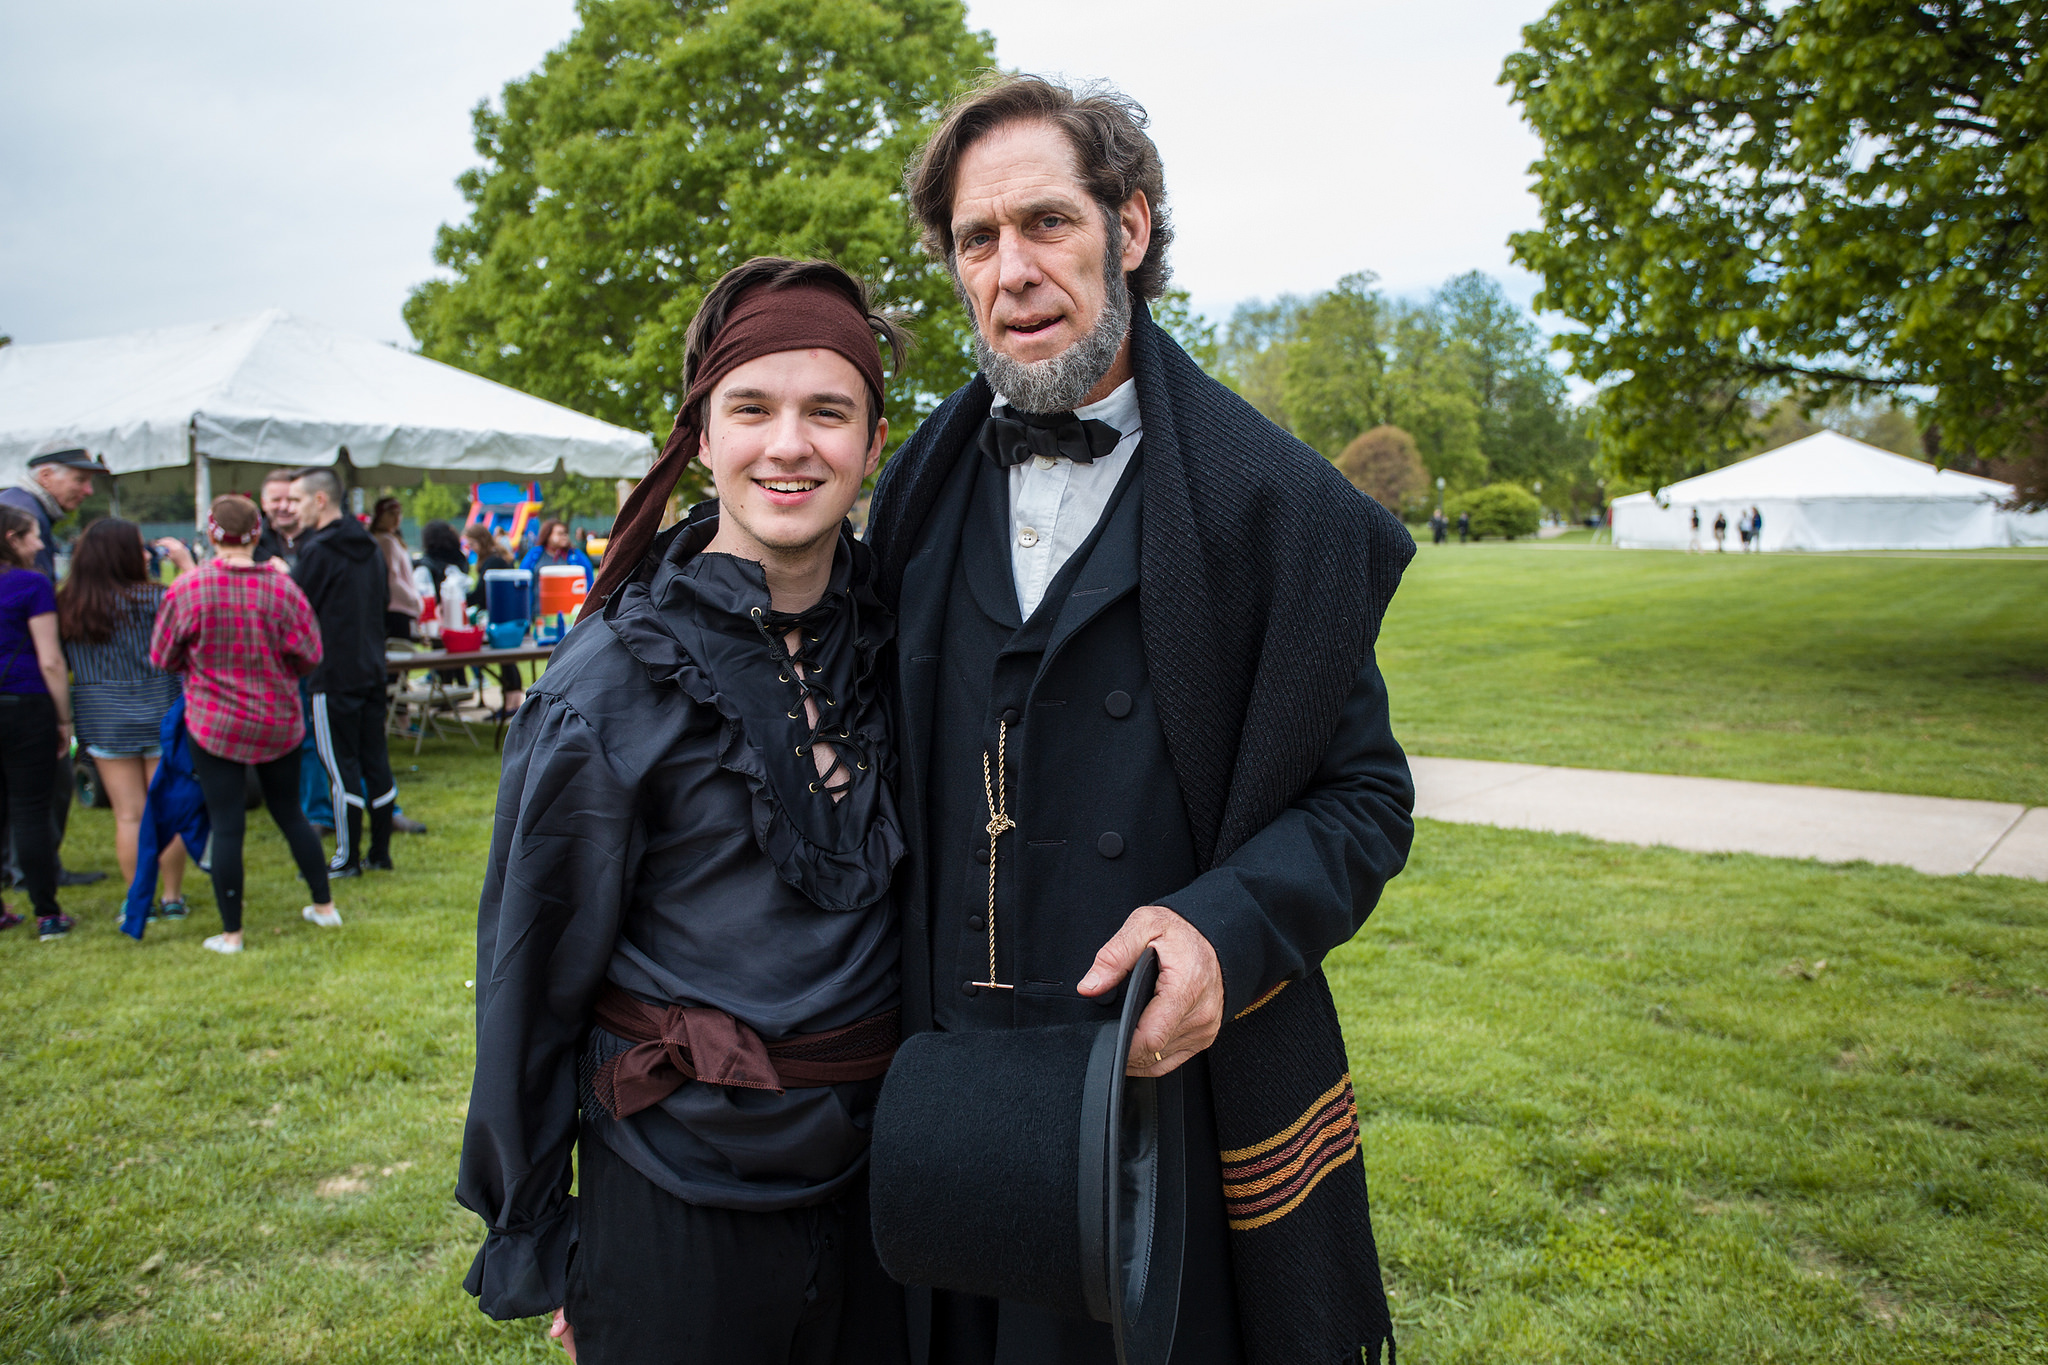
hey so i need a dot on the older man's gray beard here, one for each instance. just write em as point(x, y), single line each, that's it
point(1059, 383)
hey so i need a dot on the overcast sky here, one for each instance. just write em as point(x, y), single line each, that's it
point(180, 163)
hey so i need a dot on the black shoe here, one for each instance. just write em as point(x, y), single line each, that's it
point(405, 824)
point(379, 865)
point(345, 873)
point(69, 878)
point(53, 926)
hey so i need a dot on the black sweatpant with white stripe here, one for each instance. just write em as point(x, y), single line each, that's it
point(348, 732)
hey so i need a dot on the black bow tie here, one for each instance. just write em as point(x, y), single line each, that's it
point(1012, 440)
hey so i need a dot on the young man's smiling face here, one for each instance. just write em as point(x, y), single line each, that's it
point(786, 440)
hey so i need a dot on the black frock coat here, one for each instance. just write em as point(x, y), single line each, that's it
point(1106, 822)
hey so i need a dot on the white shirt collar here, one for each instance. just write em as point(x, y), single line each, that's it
point(1120, 409)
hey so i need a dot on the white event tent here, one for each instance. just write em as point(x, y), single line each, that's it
point(1830, 492)
point(232, 400)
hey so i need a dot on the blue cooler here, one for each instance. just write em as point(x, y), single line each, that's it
point(508, 596)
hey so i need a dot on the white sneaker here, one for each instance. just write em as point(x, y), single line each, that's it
point(326, 919)
point(219, 944)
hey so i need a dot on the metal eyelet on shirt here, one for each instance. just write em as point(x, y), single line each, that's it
point(782, 677)
point(792, 715)
point(814, 786)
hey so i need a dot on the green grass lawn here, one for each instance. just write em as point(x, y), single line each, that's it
point(1614, 1110)
point(1881, 673)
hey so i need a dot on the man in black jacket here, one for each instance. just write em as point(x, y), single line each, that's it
point(1135, 627)
point(343, 576)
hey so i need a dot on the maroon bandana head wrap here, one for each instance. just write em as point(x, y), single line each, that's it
point(765, 321)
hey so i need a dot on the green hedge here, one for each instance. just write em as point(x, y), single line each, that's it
point(1500, 509)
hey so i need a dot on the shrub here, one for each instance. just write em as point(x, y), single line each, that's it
point(1384, 465)
point(1500, 509)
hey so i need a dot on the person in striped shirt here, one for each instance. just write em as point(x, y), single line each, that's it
point(106, 610)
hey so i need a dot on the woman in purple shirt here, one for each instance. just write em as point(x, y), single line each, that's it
point(35, 715)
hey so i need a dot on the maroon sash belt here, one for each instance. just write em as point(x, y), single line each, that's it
point(673, 1044)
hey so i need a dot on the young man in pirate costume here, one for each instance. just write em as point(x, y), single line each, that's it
point(686, 937)
point(1136, 626)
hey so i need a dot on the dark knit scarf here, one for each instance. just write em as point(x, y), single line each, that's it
point(1263, 579)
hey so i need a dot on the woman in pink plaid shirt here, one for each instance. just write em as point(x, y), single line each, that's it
point(243, 635)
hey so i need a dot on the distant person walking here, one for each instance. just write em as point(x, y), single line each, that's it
point(1439, 526)
point(1693, 547)
point(1756, 530)
point(35, 716)
point(343, 576)
point(555, 548)
point(106, 615)
point(1464, 527)
point(402, 612)
point(242, 636)
point(1720, 533)
point(280, 538)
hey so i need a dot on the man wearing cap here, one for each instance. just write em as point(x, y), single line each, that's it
point(687, 931)
point(59, 481)
point(1136, 626)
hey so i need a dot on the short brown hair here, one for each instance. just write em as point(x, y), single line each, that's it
point(235, 514)
point(279, 476)
point(1106, 129)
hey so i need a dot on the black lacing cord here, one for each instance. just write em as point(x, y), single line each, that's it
point(798, 668)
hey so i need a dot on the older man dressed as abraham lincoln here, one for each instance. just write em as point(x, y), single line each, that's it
point(1136, 637)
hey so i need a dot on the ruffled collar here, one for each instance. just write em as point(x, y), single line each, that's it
point(689, 618)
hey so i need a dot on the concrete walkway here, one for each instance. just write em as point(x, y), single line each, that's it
point(1933, 834)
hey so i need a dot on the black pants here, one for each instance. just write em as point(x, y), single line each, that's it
point(28, 767)
point(61, 783)
point(348, 731)
point(225, 784)
point(969, 1330)
point(657, 1281)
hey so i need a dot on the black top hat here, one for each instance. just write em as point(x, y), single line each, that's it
point(74, 458)
point(1022, 1164)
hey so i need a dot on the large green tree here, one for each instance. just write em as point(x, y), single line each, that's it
point(1465, 373)
point(1527, 426)
point(1839, 198)
point(669, 140)
point(1356, 360)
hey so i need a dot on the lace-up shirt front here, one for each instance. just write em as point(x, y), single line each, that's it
point(766, 898)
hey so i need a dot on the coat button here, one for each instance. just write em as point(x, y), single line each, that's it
point(1013, 718)
point(1118, 704)
point(969, 988)
point(1110, 845)
point(1027, 536)
point(981, 854)
point(976, 922)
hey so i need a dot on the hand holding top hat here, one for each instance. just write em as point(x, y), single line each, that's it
point(1187, 1012)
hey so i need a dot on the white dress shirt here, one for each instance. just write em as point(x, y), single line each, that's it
point(1055, 503)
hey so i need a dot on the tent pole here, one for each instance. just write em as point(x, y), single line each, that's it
point(202, 480)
